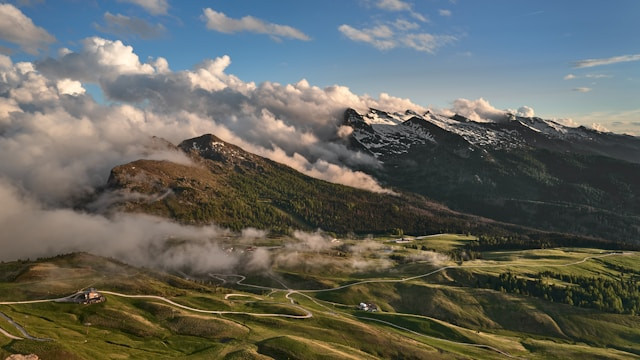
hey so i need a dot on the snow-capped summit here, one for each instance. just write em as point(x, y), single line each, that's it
point(386, 134)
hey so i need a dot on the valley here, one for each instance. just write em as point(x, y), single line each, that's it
point(427, 304)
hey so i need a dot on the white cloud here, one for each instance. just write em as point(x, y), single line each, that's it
point(99, 59)
point(154, 7)
point(218, 21)
point(134, 238)
point(383, 38)
point(5, 62)
point(582, 89)
point(393, 5)
point(399, 5)
point(70, 87)
point(66, 145)
point(482, 111)
point(404, 25)
point(625, 121)
point(444, 12)
point(599, 127)
point(597, 76)
point(606, 61)
point(380, 37)
point(426, 42)
point(566, 122)
point(526, 111)
point(122, 25)
point(569, 77)
point(17, 28)
point(478, 110)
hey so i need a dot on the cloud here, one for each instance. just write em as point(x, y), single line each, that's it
point(481, 110)
point(597, 76)
point(444, 12)
point(99, 59)
point(138, 239)
point(599, 127)
point(153, 7)
point(588, 76)
point(67, 143)
point(218, 21)
point(399, 5)
point(582, 89)
point(17, 28)
point(125, 26)
point(525, 111)
point(381, 37)
point(393, 5)
point(477, 110)
point(427, 42)
point(606, 61)
point(431, 257)
point(70, 87)
point(625, 121)
point(404, 25)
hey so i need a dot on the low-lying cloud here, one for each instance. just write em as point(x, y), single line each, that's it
point(58, 145)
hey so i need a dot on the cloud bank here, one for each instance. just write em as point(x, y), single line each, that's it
point(57, 144)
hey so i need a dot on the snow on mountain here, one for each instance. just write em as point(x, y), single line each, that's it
point(386, 134)
point(383, 133)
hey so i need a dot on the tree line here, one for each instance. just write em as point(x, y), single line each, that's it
point(620, 296)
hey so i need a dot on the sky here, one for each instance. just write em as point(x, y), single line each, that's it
point(578, 61)
point(85, 84)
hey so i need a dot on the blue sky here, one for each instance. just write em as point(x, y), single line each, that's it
point(509, 52)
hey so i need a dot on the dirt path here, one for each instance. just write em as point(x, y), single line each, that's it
point(21, 329)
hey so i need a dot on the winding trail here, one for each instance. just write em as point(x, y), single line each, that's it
point(21, 329)
point(10, 336)
point(227, 296)
point(303, 292)
point(307, 315)
point(375, 281)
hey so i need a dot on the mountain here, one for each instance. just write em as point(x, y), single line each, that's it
point(233, 188)
point(522, 170)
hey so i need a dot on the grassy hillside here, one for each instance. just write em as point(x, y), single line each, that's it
point(444, 314)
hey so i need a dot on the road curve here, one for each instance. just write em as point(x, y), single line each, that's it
point(227, 296)
point(307, 315)
point(21, 329)
point(375, 281)
point(10, 336)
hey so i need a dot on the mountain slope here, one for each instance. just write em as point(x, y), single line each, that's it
point(236, 189)
point(527, 171)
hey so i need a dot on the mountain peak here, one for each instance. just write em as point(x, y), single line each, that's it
point(211, 147)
